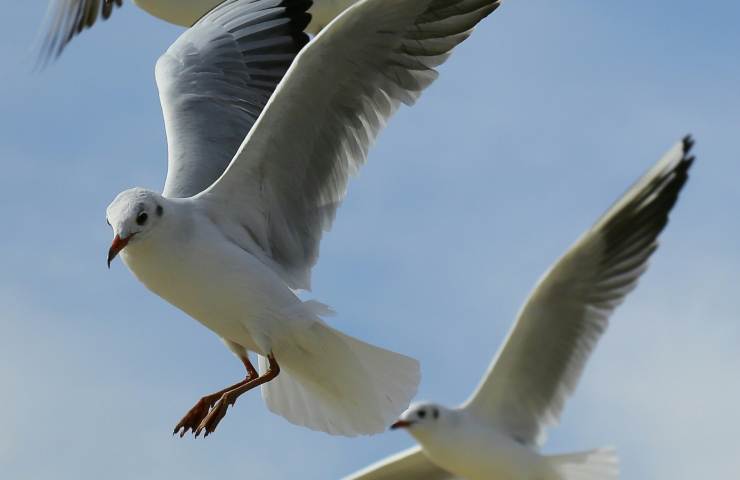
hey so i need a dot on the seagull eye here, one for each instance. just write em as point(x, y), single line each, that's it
point(142, 218)
point(422, 413)
point(108, 222)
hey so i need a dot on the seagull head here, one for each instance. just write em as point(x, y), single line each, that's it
point(132, 215)
point(421, 418)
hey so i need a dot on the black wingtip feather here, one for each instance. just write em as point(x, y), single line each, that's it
point(644, 218)
point(688, 144)
point(297, 11)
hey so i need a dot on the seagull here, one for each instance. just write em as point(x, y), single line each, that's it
point(236, 231)
point(68, 18)
point(496, 433)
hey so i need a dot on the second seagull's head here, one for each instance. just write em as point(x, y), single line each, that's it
point(422, 419)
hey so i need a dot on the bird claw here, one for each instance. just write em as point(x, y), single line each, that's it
point(211, 421)
point(194, 417)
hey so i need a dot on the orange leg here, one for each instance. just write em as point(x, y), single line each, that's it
point(195, 415)
point(228, 398)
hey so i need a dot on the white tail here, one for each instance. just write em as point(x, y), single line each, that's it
point(340, 385)
point(601, 464)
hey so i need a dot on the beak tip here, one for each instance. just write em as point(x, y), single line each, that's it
point(400, 424)
point(117, 245)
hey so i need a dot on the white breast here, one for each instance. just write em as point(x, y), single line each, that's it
point(473, 451)
point(212, 280)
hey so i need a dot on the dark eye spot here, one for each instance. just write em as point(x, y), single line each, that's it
point(422, 413)
point(435, 413)
point(108, 222)
point(142, 218)
point(160, 210)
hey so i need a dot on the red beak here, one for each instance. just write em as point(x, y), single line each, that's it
point(117, 245)
point(401, 424)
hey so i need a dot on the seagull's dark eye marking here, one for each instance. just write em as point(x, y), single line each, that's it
point(435, 413)
point(422, 413)
point(108, 222)
point(159, 210)
point(141, 218)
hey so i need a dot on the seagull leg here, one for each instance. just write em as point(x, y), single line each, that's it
point(218, 411)
point(195, 415)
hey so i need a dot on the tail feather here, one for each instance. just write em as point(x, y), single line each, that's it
point(601, 464)
point(334, 383)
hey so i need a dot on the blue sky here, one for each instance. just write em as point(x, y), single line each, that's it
point(536, 124)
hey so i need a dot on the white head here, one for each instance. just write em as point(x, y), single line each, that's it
point(132, 215)
point(423, 419)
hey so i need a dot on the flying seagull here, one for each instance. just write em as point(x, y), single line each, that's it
point(68, 18)
point(230, 240)
point(496, 432)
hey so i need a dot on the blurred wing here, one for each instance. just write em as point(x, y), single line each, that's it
point(539, 365)
point(67, 18)
point(410, 464)
point(291, 172)
point(215, 80)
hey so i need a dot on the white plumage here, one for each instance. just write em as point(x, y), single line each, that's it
point(497, 432)
point(238, 227)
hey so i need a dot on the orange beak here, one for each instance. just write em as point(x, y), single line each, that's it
point(401, 424)
point(117, 245)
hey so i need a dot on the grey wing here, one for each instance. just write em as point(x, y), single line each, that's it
point(215, 80)
point(541, 361)
point(409, 464)
point(67, 18)
point(292, 171)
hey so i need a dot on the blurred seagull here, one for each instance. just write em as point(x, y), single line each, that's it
point(235, 233)
point(68, 18)
point(495, 434)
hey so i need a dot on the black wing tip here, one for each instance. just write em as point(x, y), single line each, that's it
point(297, 12)
point(687, 158)
point(688, 144)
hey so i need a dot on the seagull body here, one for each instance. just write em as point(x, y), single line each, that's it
point(261, 143)
point(68, 18)
point(497, 433)
point(473, 451)
point(188, 261)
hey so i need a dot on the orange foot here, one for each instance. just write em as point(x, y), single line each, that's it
point(217, 413)
point(195, 416)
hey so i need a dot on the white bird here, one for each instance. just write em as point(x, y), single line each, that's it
point(68, 18)
point(230, 240)
point(496, 433)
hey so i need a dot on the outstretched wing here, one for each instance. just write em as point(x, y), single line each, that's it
point(291, 172)
point(67, 18)
point(215, 80)
point(539, 365)
point(410, 464)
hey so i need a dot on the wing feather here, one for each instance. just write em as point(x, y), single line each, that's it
point(291, 173)
point(215, 80)
point(68, 18)
point(410, 464)
point(541, 361)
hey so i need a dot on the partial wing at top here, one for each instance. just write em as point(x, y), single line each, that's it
point(68, 18)
point(215, 80)
point(410, 464)
point(538, 367)
point(291, 172)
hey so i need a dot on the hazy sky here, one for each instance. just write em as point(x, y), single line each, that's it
point(536, 124)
